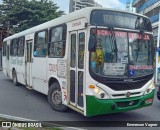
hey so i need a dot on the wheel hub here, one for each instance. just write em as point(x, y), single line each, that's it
point(57, 97)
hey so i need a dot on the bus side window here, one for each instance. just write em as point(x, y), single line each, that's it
point(13, 48)
point(57, 41)
point(4, 48)
point(81, 50)
point(21, 47)
point(40, 46)
point(51, 50)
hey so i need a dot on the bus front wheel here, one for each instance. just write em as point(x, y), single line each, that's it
point(14, 78)
point(55, 98)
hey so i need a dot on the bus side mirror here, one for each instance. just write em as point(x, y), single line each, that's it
point(92, 43)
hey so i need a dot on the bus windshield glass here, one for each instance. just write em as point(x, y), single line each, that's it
point(120, 20)
point(122, 54)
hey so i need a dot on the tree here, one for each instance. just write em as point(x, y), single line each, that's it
point(19, 15)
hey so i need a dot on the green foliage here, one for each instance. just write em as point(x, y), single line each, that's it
point(19, 15)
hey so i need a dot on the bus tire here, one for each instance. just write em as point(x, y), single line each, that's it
point(14, 78)
point(55, 98)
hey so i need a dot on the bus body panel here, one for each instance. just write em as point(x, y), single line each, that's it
point(20, 69)
point(39, 75)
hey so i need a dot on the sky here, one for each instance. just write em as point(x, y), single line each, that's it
point(64, 4)
point(118, 4)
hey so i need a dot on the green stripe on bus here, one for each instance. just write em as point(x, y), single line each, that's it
point(96, 106)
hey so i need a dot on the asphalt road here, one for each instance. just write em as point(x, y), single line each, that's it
point(21, 102)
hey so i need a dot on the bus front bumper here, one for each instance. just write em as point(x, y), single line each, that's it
point(96, 106)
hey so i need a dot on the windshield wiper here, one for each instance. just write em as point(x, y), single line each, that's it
point(113, 41)
point(137, 53)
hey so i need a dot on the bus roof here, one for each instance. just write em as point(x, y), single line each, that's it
point(85, 12)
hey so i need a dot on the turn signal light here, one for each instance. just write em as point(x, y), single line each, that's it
point(91, 86)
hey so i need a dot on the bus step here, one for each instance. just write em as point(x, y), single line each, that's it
point(29, 87)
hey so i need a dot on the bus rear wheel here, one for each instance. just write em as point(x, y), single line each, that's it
point(55, 98)
point(14, 78)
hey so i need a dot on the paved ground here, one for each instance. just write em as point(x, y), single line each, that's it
point(21, 102)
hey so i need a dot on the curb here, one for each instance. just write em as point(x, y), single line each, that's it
point(9, 117)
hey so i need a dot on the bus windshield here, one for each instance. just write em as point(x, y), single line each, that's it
point(121, 54)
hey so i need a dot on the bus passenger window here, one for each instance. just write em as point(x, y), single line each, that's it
point(40, 46)
point(51, 50)
point(20, 47)
point(57, 42)
point(4, 48)
point(13, 48)
point(81, 50)
point(56, 34)
point(40, 51)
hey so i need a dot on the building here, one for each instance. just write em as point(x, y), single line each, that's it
point(129, 6)
point(79, 4)
point(151, 9)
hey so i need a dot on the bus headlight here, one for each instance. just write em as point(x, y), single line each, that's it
point(98, 92)
point(150, 88)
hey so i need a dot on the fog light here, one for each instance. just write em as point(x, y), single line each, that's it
point(113, 107)
point(142, 103)
point(102, 95)
point(148, 90)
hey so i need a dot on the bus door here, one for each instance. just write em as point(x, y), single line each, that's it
point(7, 61)
point(28, 62)
point(77, 48)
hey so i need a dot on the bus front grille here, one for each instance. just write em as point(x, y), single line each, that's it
point(120, 95)
point(126, 86)
point(127, 103)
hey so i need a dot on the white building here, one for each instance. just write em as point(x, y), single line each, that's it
point(79, 4)
point(129, 6)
